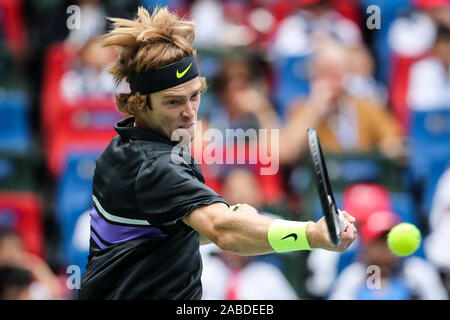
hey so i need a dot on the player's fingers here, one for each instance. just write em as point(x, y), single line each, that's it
point(347, 216)
point(350, 232)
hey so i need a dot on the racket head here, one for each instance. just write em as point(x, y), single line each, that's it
point(326, 195)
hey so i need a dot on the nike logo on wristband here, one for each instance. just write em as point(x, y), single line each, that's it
point(181, 74)
point(293, 235)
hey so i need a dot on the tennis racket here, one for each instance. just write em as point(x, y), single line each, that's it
point(334, 218)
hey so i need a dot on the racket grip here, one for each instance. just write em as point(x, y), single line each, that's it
point(341, 221)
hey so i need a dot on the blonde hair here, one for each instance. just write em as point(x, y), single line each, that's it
point(148, 42)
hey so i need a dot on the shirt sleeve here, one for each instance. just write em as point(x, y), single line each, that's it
point(168, 190)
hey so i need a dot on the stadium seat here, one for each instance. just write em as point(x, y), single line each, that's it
point(56, 62)
point(14, 122)
point(22, 212)
point(430, 152)
point(437, 168)
point(71, 126)
point(88, 125)
point(291, 75)
point(74, 197)
point(16, 171)
point(398, 87)
point(430, 138)
point(403, 204)
point(8, 65)
point(13, 25)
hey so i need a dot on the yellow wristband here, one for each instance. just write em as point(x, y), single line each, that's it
point(287, 235)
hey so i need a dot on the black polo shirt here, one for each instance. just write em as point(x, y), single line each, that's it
point(139, 247)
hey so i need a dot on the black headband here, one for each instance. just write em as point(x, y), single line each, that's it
point(166, 77)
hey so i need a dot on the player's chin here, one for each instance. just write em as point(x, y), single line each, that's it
point(184, 135)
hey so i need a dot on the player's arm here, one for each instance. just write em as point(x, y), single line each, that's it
point(245, 231)
point(204, 240)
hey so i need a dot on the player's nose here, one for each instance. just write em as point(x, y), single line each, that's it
point(189, 111)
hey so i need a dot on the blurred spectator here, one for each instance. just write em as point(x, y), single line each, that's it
point(438, 241)
point(377, 38)
point(243, 97)
point(89, 77)
point(15, 283)
point(209, 20)
point(410, 37)
point(413, 32)
point(235, 23)
point(360, 200)
point(51, 18)
point(234, 277)
point(301, 34)
point(360, 81)
point(344, 123)
point(45, 283)
point(12, 27)
point(314, 18)
point(241, 186)
point(429, 81)
point(93, 22)
point(227, 276)
point(394, 278)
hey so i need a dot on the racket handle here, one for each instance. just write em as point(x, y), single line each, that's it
point(341, 221)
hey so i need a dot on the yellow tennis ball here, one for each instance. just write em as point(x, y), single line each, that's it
point(404, 239)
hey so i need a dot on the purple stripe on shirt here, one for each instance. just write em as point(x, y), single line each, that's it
point(97, 241)
point(113, 233)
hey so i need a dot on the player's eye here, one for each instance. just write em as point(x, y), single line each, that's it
point(173, 102)
point(195, 96)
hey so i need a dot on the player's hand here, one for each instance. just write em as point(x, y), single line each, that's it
point(318, 236)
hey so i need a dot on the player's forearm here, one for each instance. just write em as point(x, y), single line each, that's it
point(243, 234)
point(204, 240)
point(246, 232)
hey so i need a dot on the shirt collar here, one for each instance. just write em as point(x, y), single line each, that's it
point(125, 128)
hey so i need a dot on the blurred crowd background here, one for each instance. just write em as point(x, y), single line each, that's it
point(374, 82)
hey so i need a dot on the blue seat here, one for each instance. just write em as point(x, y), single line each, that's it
point(15, 132)
point(73, 199)
point(430, 140)
point(292, 81)
point(403, 204)
point(430, 150)
point(16, 171)
point(436, 170)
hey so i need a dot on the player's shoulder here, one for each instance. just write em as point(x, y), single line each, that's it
point(169, 163)
point(169, 158)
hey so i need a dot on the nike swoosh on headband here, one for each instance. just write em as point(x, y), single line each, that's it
point(180, 75)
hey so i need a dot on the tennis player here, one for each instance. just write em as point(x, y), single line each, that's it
point(151, 208)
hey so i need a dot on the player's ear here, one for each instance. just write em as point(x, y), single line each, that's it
point(149, 102)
